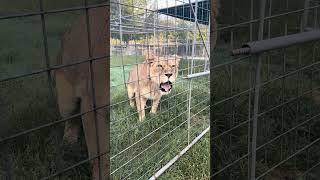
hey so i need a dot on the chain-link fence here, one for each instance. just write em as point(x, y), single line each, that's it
point(53, 87)
point(160, 64)
point(54, 81)
point(265, 106)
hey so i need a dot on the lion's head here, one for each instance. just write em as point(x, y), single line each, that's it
point(163, 72)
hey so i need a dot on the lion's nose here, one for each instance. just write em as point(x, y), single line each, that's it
point(168, 75)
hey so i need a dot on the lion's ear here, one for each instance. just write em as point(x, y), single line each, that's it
point(150, 60)
point(178, 58)
point(148, 55)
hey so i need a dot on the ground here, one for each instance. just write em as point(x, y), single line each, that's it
point(163, 135)
point(27, 103)
point(36, 154)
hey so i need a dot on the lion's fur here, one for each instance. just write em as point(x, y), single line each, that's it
point(144, 81)
point(141, 87)
point(73, 83)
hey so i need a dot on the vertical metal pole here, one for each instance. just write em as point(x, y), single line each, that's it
point(194, 35)
point(100, 127)
point(187, 40)
point(107, 114)
point(167, 50)
point(189, 48)
point(158, 32)
point(269, 21)
point(192, 66)
point(257, 82)
point(315, 22)
point(208, 34)
point(251, 18)
point(144, 27)
point(213, 29)
point(189, 107)
point(305, 15)
point(167, 36)
point(176, 50)
point(7, 167)
point(46, 52)
point(135, 44)
point(121, 44)
point(47, 62)
point(187, 52)
point(250, 85)
point(147, 39)
point(283, 85)
point(93, 91)
point(230, 107)
point(154, 27)
point(266, 123)
point(206, 43)
point(304, 23)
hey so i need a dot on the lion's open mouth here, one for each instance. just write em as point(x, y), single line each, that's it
point(166, 87)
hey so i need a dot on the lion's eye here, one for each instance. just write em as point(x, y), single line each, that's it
point(173, 66)
point(159, 65)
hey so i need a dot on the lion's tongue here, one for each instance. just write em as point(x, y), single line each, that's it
point(166, 86)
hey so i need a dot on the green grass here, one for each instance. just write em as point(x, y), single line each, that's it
point(193, 165)
point(125, 129)
point(26, 103)
point(232, 80)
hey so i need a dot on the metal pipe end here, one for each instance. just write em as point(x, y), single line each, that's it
point(241, 51)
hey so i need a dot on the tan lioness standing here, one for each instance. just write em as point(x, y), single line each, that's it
point(150, 80)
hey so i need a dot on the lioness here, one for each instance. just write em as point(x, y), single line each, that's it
point(83, 87)
point(150, 80)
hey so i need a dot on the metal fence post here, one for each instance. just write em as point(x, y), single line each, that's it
point(254, 125)
point(46, 50)
point(213, 36)
point(121, 40)
point(189, 107)
point(304, 20)
point(192, 65)
point(97, 132)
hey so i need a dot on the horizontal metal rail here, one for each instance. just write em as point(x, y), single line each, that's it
point(54, 11)
point(257, 47)
point(172, 161)
point(191, 76)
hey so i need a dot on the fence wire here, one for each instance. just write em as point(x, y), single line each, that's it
point(142, 149)
point(31, 142)
point(265, 108)
point(279, 114)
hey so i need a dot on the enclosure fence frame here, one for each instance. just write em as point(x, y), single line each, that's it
point(189, 77)
point(256, 50)
point(49, 68)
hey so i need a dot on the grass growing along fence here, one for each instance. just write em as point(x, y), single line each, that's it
point(26, 103)
point(169, 124)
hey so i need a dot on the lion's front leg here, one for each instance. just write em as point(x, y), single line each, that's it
point(141, 103)
point(155, 105)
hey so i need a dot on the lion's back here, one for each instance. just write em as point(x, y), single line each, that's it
point(138, 72)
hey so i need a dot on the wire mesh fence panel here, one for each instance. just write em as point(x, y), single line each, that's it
point(43, 44)
point(155, 45)
point(265, 106)
point(264, 110)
